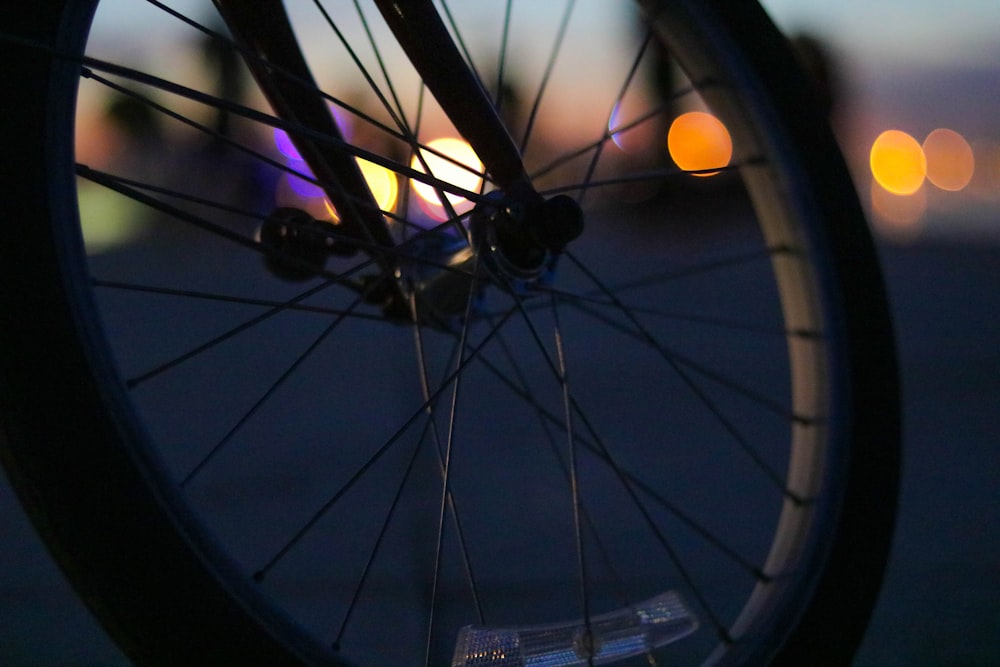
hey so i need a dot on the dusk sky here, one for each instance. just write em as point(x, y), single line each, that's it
point(918, 32)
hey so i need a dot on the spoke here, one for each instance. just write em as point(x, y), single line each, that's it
point(441, 450)
point(230, 298)
point(656, 175)
point(271, 390)
point(414, 150)
point(549, 67)
point(663, 108)
point(672, 275)
point(502, 57)
point(408, 251)
point(574, 479)
point(131, 74)
point(377, 547)
point(522, 389)
point(252, 56)
point(625, 482)
point(297, 536)
point(582, 300)
point(213, 133)
point(460, 41)
point(662, 539)
point(396, 117)
point(127, 186)
point(672, 508)
point(291, 127)
point(331, 279)
point(606, 133)
point(678, 362)
point(456, 384)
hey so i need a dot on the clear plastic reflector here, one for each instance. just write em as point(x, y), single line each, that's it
point(614, 636)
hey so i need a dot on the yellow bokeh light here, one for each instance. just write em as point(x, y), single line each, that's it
point(898, 162)
point(448, 171)
point(950, 162)
point(698, 141)
point(382, 182)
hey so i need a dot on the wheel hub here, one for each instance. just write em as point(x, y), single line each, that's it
point(511, 247)
point(518, 244)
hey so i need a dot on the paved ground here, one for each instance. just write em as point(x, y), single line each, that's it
point(941, 604)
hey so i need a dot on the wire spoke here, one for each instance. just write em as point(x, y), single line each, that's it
point(442, 451)
point(653, 114)
point(549, 67)
point(606, 132)
point(377, 546)
point(394, 112)
point(672, 508)
point(646, 176)
point(455, 383)
point(624, 480)
point(502, 56)
point(408, 251)
point(521, 388)
point(574, 478)
point(421, 411)
point(583, 300)
point(291, 127)
point(429, 427)
point(460, 41)
point(271, 390)
point(231, 298)
point(679, 362)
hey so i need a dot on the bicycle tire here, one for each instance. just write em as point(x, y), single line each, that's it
point(170, 590)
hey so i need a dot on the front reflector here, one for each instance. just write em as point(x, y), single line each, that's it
point(634, 630)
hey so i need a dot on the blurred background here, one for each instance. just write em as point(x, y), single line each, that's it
point(914, 92)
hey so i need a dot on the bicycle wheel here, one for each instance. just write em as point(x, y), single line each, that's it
point(253, 434)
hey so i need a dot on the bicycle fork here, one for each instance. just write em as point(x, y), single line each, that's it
point(519, 231)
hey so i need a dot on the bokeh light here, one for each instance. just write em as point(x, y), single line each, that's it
point(383, 183)
point(467, 177)
point(284, 144)
point(898, 162)
point(633, 139)
point(950, 161)
point(698, 141)
point(299, 185)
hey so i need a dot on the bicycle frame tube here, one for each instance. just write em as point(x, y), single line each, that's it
point(262, 27)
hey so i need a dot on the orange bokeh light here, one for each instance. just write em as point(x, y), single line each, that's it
point(950, 162)
point(898, 162)
point(698, 142)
